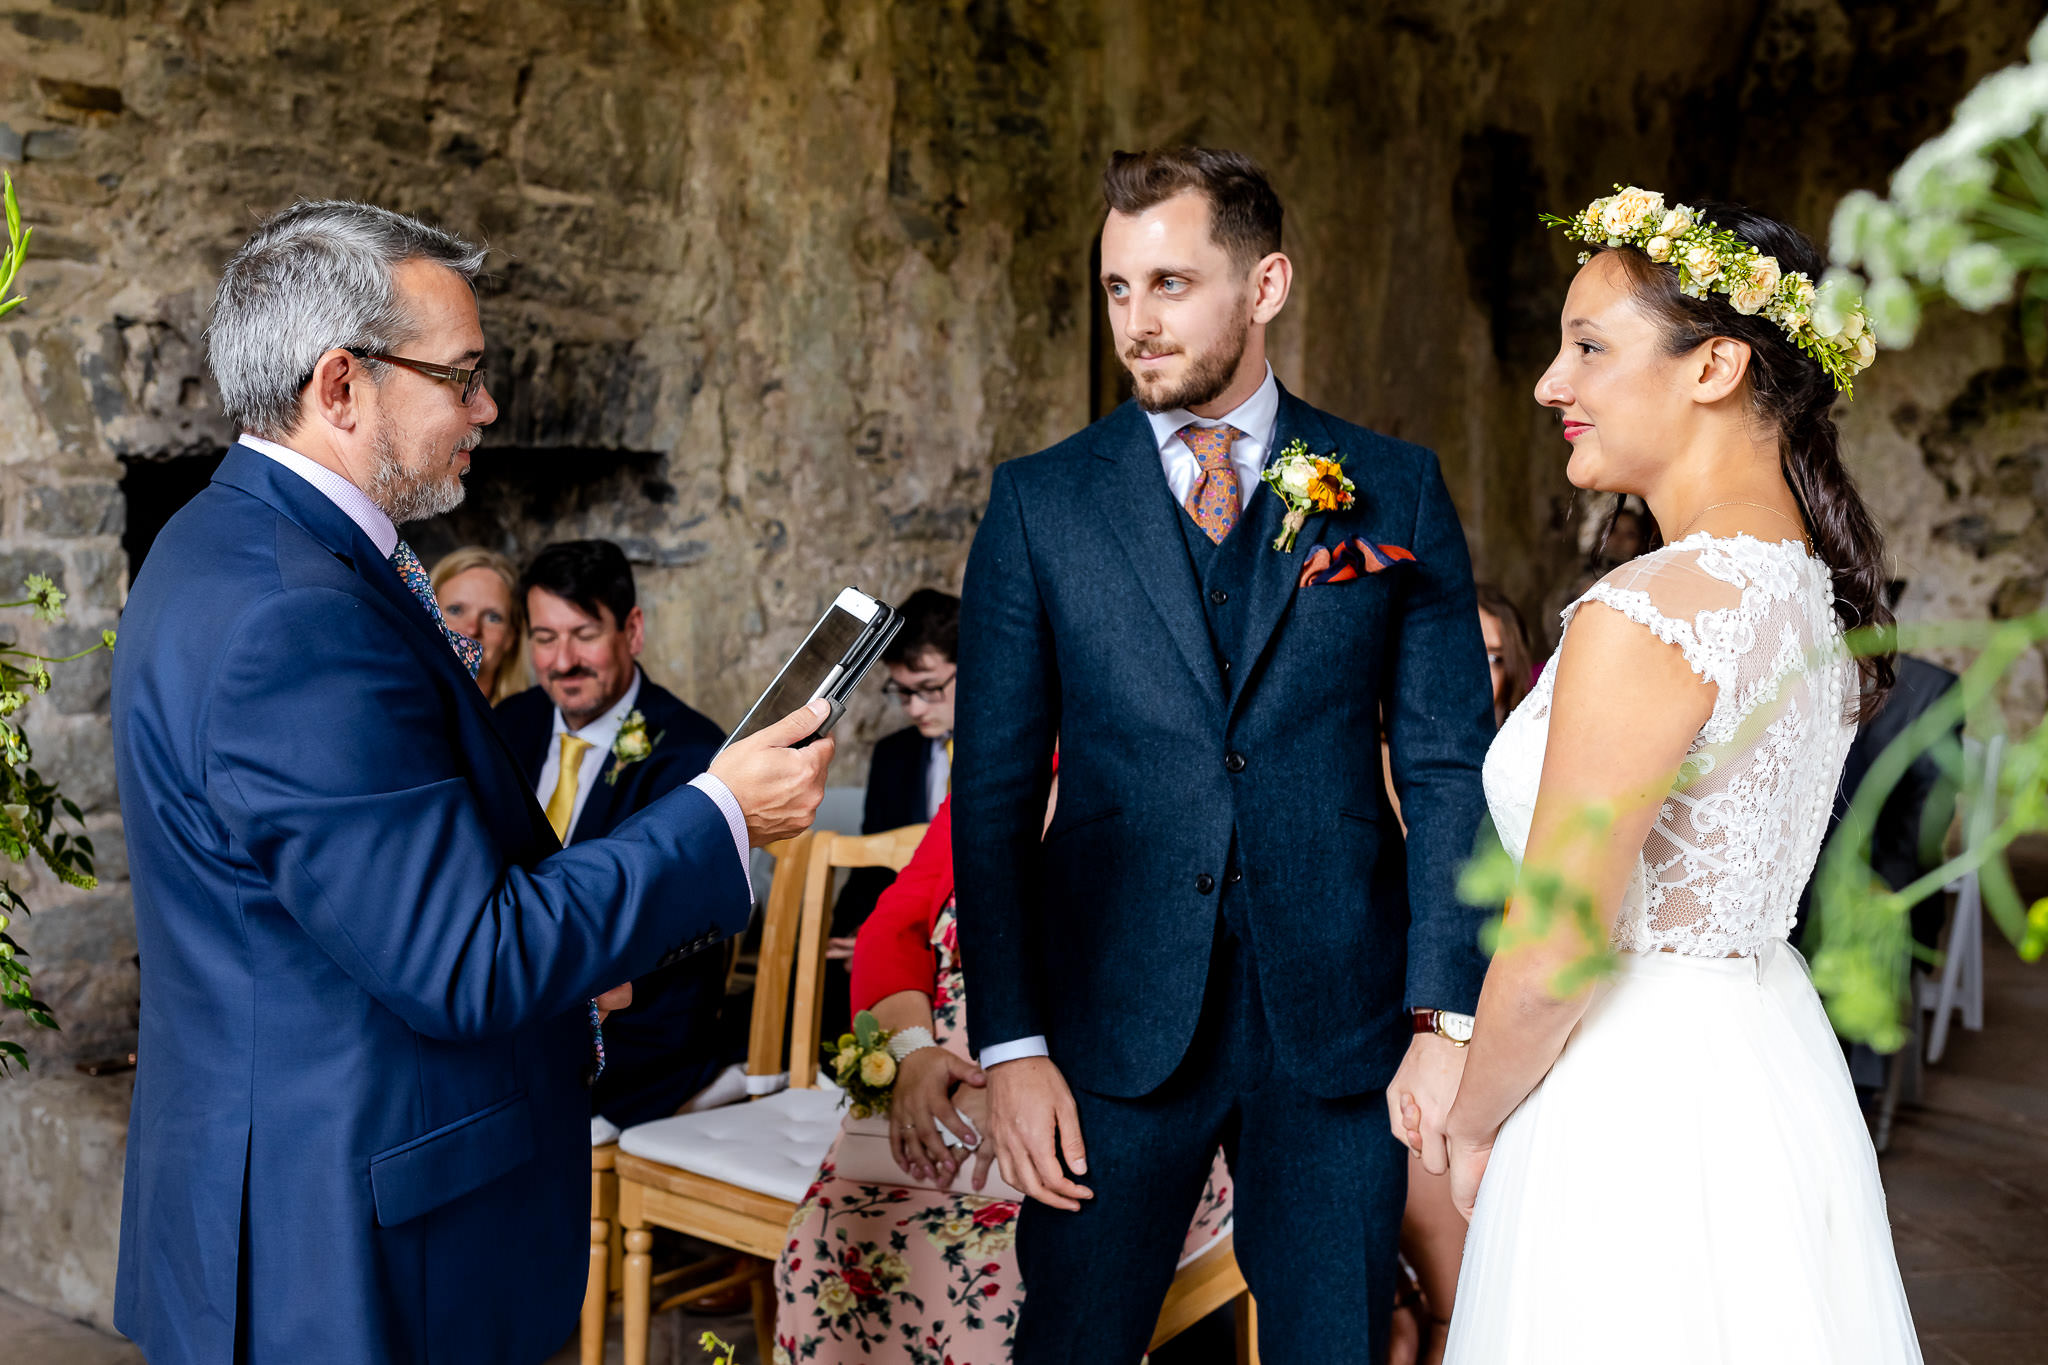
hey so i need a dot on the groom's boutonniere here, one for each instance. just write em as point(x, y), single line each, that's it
point(632, 745)
point(1308, 485)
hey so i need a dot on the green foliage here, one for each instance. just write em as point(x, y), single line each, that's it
point(34, 815)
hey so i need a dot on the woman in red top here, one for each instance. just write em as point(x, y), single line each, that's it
point(911, 1272)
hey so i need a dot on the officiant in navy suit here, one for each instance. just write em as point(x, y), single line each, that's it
point(1223, 936)
point(359, 1130)
point(600, 741)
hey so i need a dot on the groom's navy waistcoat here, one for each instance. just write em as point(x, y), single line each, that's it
point(360, 1125)
point(1215, 721)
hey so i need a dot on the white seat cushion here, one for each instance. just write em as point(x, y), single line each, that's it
point(602, 1130)
point(773, 1146)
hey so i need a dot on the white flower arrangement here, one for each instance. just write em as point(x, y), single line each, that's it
point(1822, 320)
point(1965, 217)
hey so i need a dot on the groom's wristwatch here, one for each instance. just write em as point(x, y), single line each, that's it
point(1455, 1029)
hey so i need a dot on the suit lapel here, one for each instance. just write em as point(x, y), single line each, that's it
point(1274, 581)
point(1141, 511)
point(262, 477)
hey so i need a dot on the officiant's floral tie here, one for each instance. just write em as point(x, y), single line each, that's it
point(414, 575)
point(1215, 498)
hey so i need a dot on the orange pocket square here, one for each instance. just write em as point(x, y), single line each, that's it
point(1348, 559)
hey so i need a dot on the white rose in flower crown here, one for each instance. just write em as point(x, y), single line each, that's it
point(1763, 282)
point(1658, 249)
point(1701, 263)
point(1677, 222)
point(1625, 213)
point(1853, 324)
point(1798, 305)
point(1864, 351)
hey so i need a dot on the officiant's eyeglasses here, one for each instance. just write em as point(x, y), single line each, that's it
point(925, 692)
point(471, 380)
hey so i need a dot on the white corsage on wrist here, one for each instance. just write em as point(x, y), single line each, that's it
point(905, 1041)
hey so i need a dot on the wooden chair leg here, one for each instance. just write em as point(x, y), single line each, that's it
point(1247, 1330)
point(764, 1312)
point(596, 1293)
point(639, 1288)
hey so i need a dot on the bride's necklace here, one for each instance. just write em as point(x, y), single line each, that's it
point(1761, 507)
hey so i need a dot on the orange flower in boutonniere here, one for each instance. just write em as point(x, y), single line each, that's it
point(1308, 485)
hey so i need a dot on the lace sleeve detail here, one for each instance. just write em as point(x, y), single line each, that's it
point(1638, 606)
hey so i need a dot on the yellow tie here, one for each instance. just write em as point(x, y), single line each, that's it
point(949, 765)
point(562, 804)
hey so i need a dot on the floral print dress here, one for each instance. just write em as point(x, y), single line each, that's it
point(907, 1276)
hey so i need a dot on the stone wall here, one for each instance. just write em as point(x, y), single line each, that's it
point(776, 284)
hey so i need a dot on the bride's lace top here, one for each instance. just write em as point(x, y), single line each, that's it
point(1736, 840)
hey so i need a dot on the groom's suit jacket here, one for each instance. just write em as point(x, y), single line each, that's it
point(1083, 622)
point(359, 1119)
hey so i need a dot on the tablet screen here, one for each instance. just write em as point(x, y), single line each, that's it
point(826, 648)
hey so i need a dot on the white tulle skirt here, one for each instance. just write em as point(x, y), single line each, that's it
point(1691, 1184)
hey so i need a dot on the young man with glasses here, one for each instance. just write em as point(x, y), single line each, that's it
point(912, 769)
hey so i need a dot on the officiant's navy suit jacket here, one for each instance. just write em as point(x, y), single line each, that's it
point(1082, 622)
point(360, 1119)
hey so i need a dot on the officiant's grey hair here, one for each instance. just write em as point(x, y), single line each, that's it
point(312, 278)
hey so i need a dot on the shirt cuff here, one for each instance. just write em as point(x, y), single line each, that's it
point(999, 1053)
point(735, 820)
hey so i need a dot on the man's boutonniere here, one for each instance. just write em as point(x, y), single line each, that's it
point(1307, 484)
point(631, 746)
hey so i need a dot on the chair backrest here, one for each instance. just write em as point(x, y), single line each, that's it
point(828, 852)
point(766, 1070)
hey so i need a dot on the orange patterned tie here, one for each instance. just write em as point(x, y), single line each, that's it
point(1214, 499)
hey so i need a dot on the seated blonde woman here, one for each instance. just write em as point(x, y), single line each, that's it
point(910, 1273)
point(478, 592)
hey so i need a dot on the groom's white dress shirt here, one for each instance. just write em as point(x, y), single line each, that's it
point(1254, 419)
point(600, 735)
point(357, 507)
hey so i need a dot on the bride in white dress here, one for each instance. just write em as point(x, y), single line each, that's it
point(1670, 1166)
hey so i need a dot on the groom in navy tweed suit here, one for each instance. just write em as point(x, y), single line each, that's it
point(1224, 937)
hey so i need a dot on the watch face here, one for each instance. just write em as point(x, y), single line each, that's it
point(1456, 1027)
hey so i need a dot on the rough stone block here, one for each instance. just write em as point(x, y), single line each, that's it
point(17, 565)
point(50, 144)
point(78, 509)
point(82, 686)
point(75, 753)
point(63, 1139)
point(99, 578)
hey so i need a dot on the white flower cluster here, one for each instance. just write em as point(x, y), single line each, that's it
point(1824, 321)
point(1946, 228)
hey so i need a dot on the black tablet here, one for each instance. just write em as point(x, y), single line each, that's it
point(830, 663)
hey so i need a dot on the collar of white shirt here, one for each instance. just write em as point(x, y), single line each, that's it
point(1255, 418)
point(354, 503)
point(603, 731)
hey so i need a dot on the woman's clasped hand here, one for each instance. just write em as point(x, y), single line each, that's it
point(938, 1092)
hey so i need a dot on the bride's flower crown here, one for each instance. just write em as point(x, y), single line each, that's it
point(1828, 327)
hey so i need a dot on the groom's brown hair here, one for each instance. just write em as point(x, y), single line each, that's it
point(1244, 213)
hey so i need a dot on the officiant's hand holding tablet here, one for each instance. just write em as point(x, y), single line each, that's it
point(777, 784)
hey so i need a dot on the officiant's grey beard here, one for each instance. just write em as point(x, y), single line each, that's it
point(413, 490)
point(1208, 374)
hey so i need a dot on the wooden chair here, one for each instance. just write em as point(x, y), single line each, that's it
point(602, 1291)
point(718, 1204)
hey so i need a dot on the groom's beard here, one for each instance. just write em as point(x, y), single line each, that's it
point(414, 490)
point(1208, 374)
